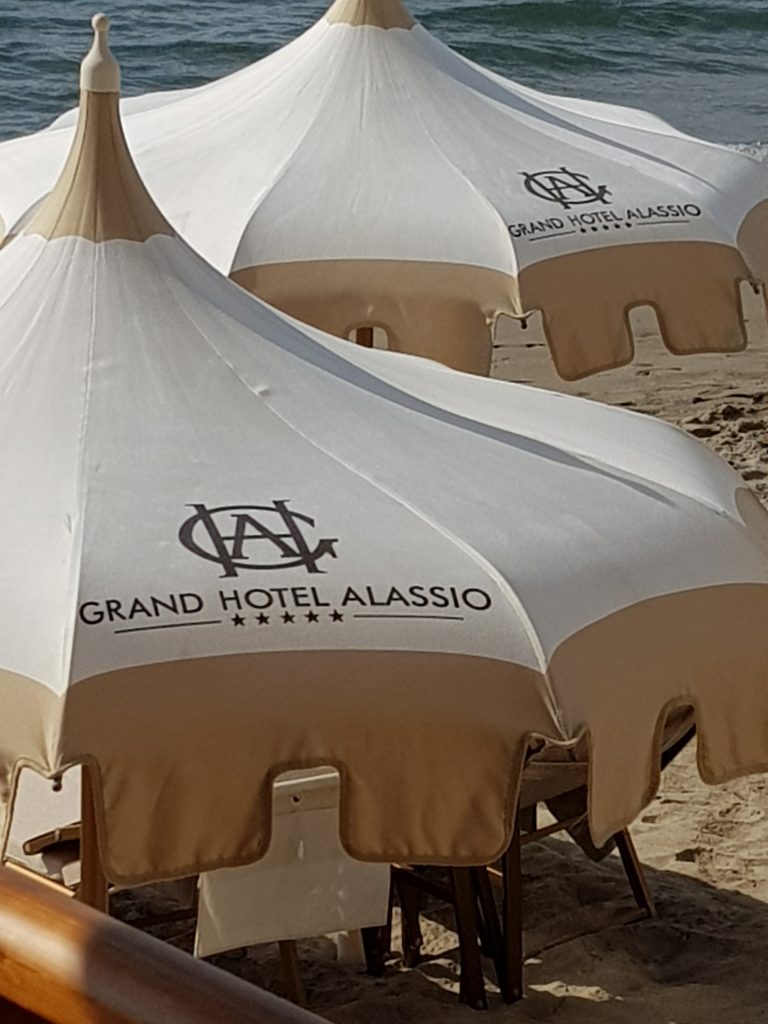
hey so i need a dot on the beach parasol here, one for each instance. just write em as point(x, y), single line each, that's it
point(366, 176)
point(236, 546)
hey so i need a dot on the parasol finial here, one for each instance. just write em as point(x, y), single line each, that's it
point(99, 195)
point(99, 71)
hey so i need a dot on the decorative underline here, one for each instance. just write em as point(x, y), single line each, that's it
point(642, 224)
point(372, 615)
point(661, 223)
point(545, 238)
point(171, 625)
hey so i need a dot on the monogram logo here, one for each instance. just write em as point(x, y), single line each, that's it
point(565, 187)
point(254, 537)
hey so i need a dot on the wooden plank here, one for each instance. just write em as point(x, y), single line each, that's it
point(68, 964)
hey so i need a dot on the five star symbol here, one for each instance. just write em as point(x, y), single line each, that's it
point(287, 617)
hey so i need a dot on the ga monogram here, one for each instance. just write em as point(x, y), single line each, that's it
point(564, 187)
point(235, 536)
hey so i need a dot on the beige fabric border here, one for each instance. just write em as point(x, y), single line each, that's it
point(692, 286)
point(447, 311)
point(443, 311)
point(706, 649)
point(402, 728)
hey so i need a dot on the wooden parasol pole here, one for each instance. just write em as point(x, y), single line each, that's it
point(93, 882)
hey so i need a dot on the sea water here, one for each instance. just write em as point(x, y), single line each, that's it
point(700, 64)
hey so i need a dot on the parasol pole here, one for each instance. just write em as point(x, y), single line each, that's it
point(93, 882)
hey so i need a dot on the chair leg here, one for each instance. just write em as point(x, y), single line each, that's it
point(377, 942)
point(410, 907)
point(511, 968)
point(471, 983)
point(294, 984)
point(528, 817)
point(376, 946)
point(491, 941)
point(634, 872)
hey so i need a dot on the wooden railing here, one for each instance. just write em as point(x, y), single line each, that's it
point(64, 963)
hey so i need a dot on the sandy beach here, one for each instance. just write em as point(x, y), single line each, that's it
point(705, 848)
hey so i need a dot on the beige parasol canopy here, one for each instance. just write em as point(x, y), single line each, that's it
point(236, 546)
point(366, 176)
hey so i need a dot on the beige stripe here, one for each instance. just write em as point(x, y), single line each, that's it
point(377, 13)
point(586, 298)
point(443, 311)
point(99, 195)
point(428, 746)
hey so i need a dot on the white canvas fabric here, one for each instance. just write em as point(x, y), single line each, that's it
point(236, 546)
point(370, 175)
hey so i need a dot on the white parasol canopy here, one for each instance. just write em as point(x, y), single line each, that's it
point(236, 546)
point(367, 176)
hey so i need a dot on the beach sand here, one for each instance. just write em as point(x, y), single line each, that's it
point(705, 848)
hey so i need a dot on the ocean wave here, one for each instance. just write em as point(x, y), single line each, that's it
point(650, 17)
point(758, 150)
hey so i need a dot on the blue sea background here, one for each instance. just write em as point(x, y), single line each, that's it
point(700, 64)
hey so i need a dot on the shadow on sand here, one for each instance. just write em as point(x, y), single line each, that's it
point(702, 961)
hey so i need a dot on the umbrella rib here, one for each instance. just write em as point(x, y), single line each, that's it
point(81, 490)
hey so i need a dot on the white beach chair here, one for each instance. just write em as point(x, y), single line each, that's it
point(306, 884)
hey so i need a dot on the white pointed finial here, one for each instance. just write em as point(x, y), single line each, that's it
point(99, 71)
